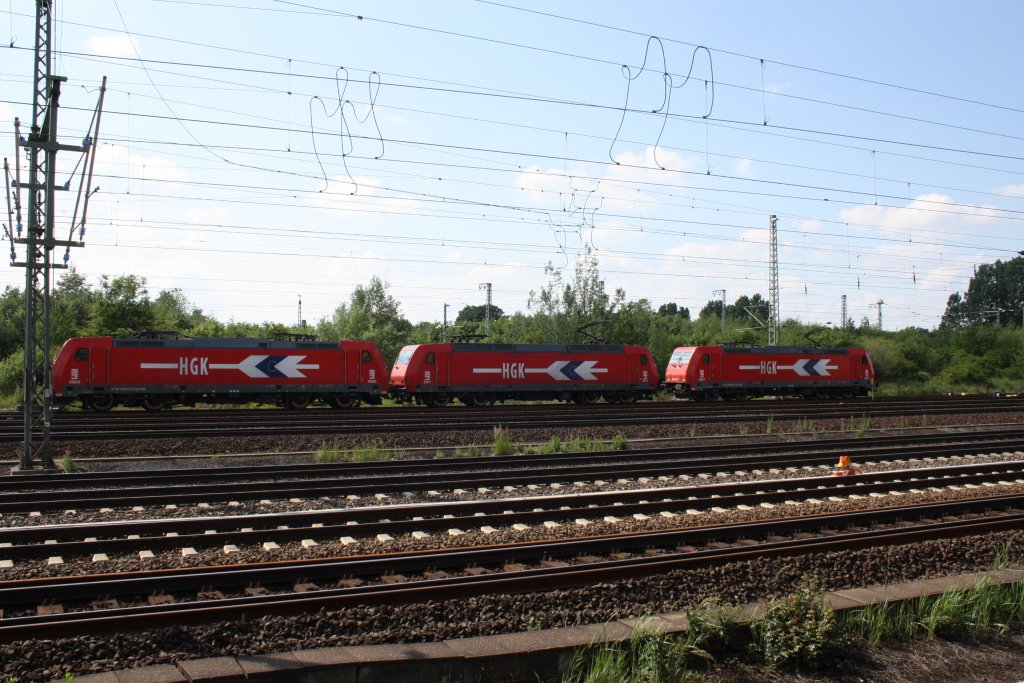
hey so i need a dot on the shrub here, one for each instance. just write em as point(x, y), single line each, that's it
point(800, 631)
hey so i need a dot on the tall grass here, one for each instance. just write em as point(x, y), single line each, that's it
point(503, 444)
point(576, 444)
point(653, 656)
point(332, 453)
point(800, 632)
point(68, 463)
point(965, 614)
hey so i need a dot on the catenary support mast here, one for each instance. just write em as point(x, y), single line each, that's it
point(773, 281)
point(41, 187)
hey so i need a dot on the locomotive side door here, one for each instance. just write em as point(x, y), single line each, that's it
point(99, 366)
point(350, 368)
point(708, 367)
point(367, 371)
point(430, 369)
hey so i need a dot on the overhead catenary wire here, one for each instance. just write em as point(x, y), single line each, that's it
point(419, 158)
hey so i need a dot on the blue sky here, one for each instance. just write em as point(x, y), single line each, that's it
point(242, 162)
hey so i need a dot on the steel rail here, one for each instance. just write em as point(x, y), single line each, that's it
point(843, 531)
point(273, 472)
point(412, 420)
point(513, 409)
point(66, 540)
point(163, 494)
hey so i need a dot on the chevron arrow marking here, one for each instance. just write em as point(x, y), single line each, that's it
point(263, 367)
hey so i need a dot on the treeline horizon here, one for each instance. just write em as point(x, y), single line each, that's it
point(978, 346)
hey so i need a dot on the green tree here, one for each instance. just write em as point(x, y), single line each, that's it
point(371, 314)
point(12, 321)
point(121, 307)
point(173, 311)
point(995, 295)
point(72, 305)
point(478, 314)
point(560, 308)
point(672, 309)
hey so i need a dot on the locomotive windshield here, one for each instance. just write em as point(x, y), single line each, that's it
point(681, 357)
point(404, 356)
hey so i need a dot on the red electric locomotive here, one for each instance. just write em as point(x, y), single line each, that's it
point(706, 373)
point(155, 373)
point(480, 374)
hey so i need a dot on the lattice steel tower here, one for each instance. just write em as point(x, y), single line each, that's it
point(773, 281)
point(39, 241)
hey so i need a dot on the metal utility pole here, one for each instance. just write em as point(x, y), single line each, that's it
point(39, 241)
point(842, 320)
point(299, 322)
point(444, 325)
point(487, 310)
point(722, 292)
point(773, 280)
point(878, 305)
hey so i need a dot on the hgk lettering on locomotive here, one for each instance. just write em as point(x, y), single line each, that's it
point(193, 366)
point(513, 370)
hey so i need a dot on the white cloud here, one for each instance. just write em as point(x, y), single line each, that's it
point(1011, 190)
point(113, 46)
point(743, 168)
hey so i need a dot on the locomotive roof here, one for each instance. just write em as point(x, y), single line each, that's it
point(221, 343)
point(539, 348)
point(787, 349)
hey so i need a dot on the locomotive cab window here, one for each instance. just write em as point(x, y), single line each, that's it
point(430, 357)
point(680, 357)
point(863, 360)
point(706, 359)
point(643, 360)
point(82, 354)
point(365, 357)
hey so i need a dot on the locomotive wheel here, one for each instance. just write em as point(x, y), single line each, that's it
point(439, 400)
point(342, 402)
point(154, 404)
point(100, 404)
point(296, 402)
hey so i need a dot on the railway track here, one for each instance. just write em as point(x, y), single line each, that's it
point(67, 541)
point(38, 493)
point(185, 596)
point(214, 423)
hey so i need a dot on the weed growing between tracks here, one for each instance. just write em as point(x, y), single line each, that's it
point(331, 453)
point(575, 444)
point(503, 443)
point(799, 633)
point(68, 463)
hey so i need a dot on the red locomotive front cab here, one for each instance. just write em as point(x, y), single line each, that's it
point(479, 374)
point(81, 370)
